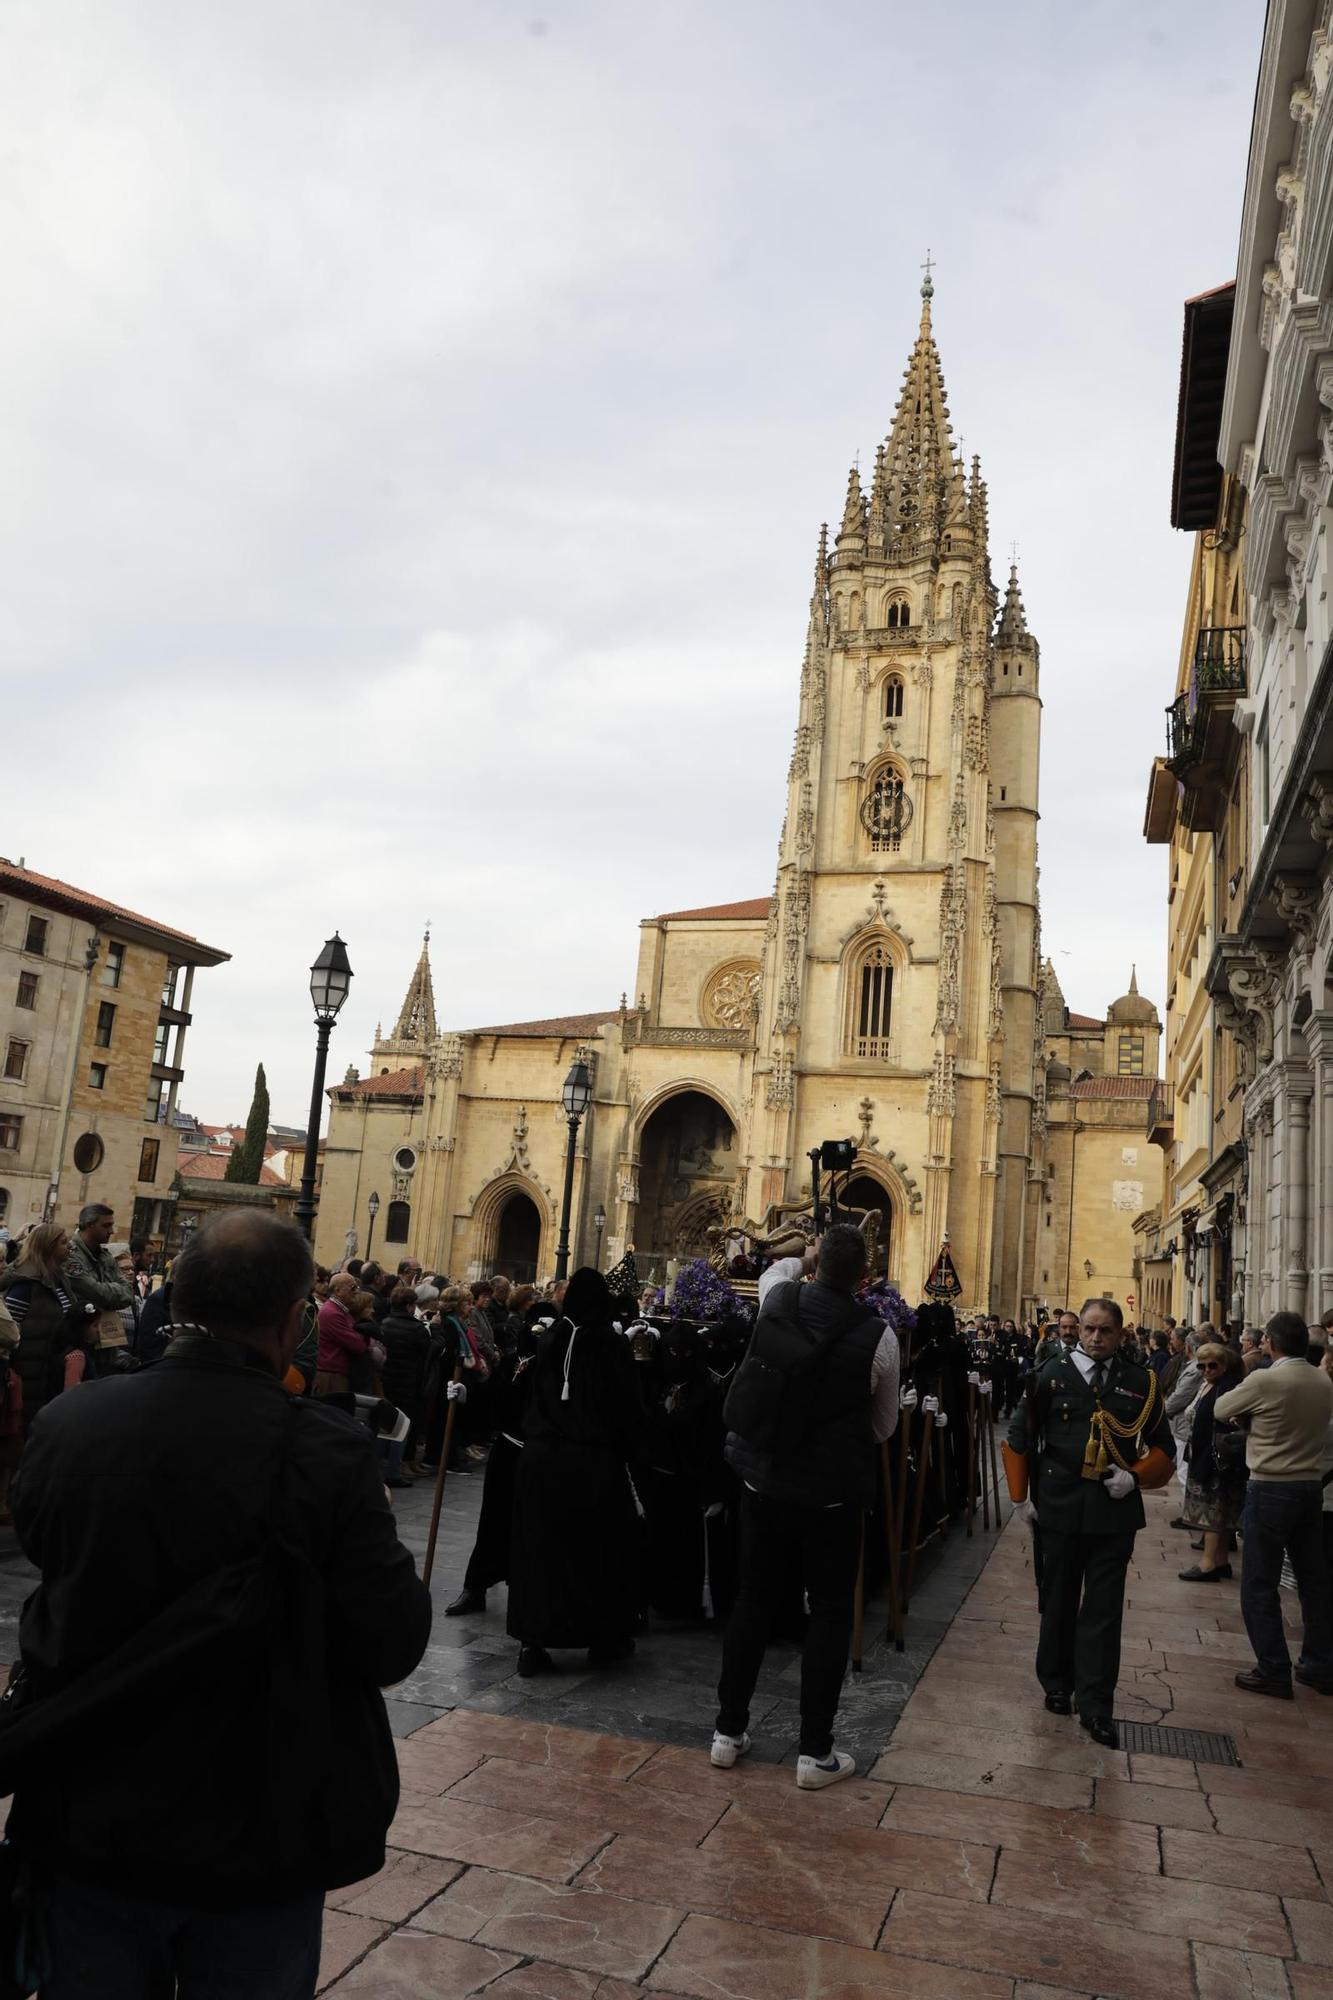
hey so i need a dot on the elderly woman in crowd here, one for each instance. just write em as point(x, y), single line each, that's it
point(1215, 1482)
point(51, 1324)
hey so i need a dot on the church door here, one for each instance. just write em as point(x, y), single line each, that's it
point(862, 1192)
point(519, 1240)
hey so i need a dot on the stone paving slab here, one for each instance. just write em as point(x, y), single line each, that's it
point(558, 1848)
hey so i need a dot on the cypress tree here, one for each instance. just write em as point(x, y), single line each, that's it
point(247, 1159)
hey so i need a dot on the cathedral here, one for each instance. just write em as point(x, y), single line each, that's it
point(890, 990)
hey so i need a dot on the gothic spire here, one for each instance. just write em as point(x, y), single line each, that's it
point(1013, 618)
point(416, 1017)
point(918, 454)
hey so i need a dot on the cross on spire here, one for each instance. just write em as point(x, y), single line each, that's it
point(927, 285)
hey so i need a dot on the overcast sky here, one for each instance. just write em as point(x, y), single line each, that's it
point(418, 418)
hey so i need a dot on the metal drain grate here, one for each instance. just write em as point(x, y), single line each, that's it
point(1203, 1746)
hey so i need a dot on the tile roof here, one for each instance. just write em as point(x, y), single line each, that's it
point(752, 912)
point(82, 903)
point(1085, 1020)
point(1115, 1086)
point(562, 1025)
point(394, 1083)
point(213, 1167)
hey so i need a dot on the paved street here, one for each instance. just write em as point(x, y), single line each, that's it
point(545, 1850)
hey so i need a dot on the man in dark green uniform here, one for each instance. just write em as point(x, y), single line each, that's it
point(1089, 1434)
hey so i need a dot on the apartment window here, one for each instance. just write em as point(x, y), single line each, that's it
point(106, 1023)
point(16, 1060)
point(89, 1152)
point(11, 1133)
point(27, 993)
point(35, 941)
point(4, 1203)
point(155, 1105)
point(115, 964)
point(160, 1040)
point(169, 979)
point(148, 1153)
point(97, 1076)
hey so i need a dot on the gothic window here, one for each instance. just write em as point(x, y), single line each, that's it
point(870, 1014)
point(400, 1216)
point(893, 698)
point(899, 614)
point(1131, 1055)
point(886, 810)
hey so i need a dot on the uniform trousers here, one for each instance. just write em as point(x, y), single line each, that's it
point(1083, 1602)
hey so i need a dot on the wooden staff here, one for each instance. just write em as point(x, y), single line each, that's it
point(983, 1432)
point(900, 1511)
point(445, 1449)
point(971, 1453)
point(995, 1478)
point(891, 1519)
point(859, 1613)
point(922, 1468)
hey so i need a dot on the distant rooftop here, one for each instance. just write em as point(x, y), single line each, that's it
point(752, 912)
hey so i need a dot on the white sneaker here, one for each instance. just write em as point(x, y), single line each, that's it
point(813, 1773)
point(726, 1749)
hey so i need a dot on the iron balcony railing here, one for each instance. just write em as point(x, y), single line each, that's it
point(1218, 670)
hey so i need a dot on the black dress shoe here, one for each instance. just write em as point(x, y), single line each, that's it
point(467, 1600)
point(1319, 1682)
point(1102, 1730)
point(1181, 1522)
point(1060, 1704)
point(534, 1660)
point(610, 1651)
point(1254, 1682)
point(1221, 1574)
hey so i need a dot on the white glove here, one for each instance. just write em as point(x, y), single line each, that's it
point(941, 1419)
point(1026, 1512)
point(974, 1379)
point(457, 1392)
point(986, 1388)
point(907, 1400)
point(931, 1405)
point(1119, 1484)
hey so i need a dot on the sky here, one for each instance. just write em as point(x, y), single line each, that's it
point(418, 419)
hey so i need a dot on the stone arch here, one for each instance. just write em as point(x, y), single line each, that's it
point(685, 1159)
point(870, 1168)
point(488, 1206)
point(676, 1086)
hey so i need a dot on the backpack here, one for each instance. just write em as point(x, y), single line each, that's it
point(771, 1402)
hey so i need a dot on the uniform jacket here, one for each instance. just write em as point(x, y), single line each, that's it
point(1066, 1501)
point(133, 1489)
point(93, 1279)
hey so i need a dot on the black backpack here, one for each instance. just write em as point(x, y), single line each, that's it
point(771, 1401)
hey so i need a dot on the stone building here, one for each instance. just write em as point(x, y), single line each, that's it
point(94, 1005)
point(890, 989)
point(1272, 962)
point(1191, 1255)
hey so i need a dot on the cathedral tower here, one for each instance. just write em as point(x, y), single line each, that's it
point(899, 989)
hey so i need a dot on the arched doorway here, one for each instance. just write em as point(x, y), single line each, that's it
point(863, 1192)
point(688, 1162)
point(518, 1240)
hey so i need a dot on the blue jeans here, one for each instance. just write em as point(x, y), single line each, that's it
point(106, 1946)
point(1285, 1515)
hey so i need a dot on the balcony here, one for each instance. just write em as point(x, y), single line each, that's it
point(1161, 1115)
point(1199, 734)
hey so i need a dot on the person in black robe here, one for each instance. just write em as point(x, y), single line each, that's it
point(489, 1562)
point(574, 1565)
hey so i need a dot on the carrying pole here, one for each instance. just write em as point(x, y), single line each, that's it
point(859, 1611)
point(971, 1453)
point(445, 1450)
point(918, 1501)
point(892, 1516)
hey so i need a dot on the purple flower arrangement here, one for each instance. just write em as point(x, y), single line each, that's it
point(886, 1300)
point(701, 1293)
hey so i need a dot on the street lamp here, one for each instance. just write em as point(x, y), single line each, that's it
point(372, 1209)
point(599, 1224)
point(576, 1096)
point(330, 977)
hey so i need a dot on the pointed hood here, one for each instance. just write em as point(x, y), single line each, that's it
point(416, 1017)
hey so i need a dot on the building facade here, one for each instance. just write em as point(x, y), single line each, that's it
point(890, 989)
point(1272, 965)
point(94, 1005)
point(1192, 1250)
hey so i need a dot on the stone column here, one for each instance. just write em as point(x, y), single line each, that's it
point(1296, 1196)
point(1319, 1040)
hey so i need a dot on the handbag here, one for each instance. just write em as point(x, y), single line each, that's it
point(1228, 1448)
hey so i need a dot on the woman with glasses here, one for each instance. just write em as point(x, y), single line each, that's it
point(1215, 1487)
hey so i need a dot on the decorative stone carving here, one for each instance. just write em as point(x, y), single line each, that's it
point(627, 1184)
point(446, 1057)
point(779, 1090)
point(521, 1139)
point(1298, 906)
point(993, 1103)
point(942, 1097)
point(1317, 808)
point(731, 995)
point(867, 1111)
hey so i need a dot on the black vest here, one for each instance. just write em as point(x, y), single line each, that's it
point(836, 1462)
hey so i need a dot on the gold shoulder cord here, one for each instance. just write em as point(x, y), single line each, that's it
point(1104, 1431)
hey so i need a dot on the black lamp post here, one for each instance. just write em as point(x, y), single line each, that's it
point(372, 1209)
point(599, 1224)
point(576, 1096)
point(330, 978)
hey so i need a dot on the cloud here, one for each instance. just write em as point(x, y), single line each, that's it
point(417, 431)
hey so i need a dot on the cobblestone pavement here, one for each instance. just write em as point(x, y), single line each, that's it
point(545, 1851)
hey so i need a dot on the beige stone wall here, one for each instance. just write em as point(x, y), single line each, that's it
point(48, 1029)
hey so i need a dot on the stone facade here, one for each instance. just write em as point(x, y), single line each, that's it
point(94, 1005)
point(887, 990)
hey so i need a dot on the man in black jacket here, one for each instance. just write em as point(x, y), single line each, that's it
point(809, 1501)
point(220, 1557)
